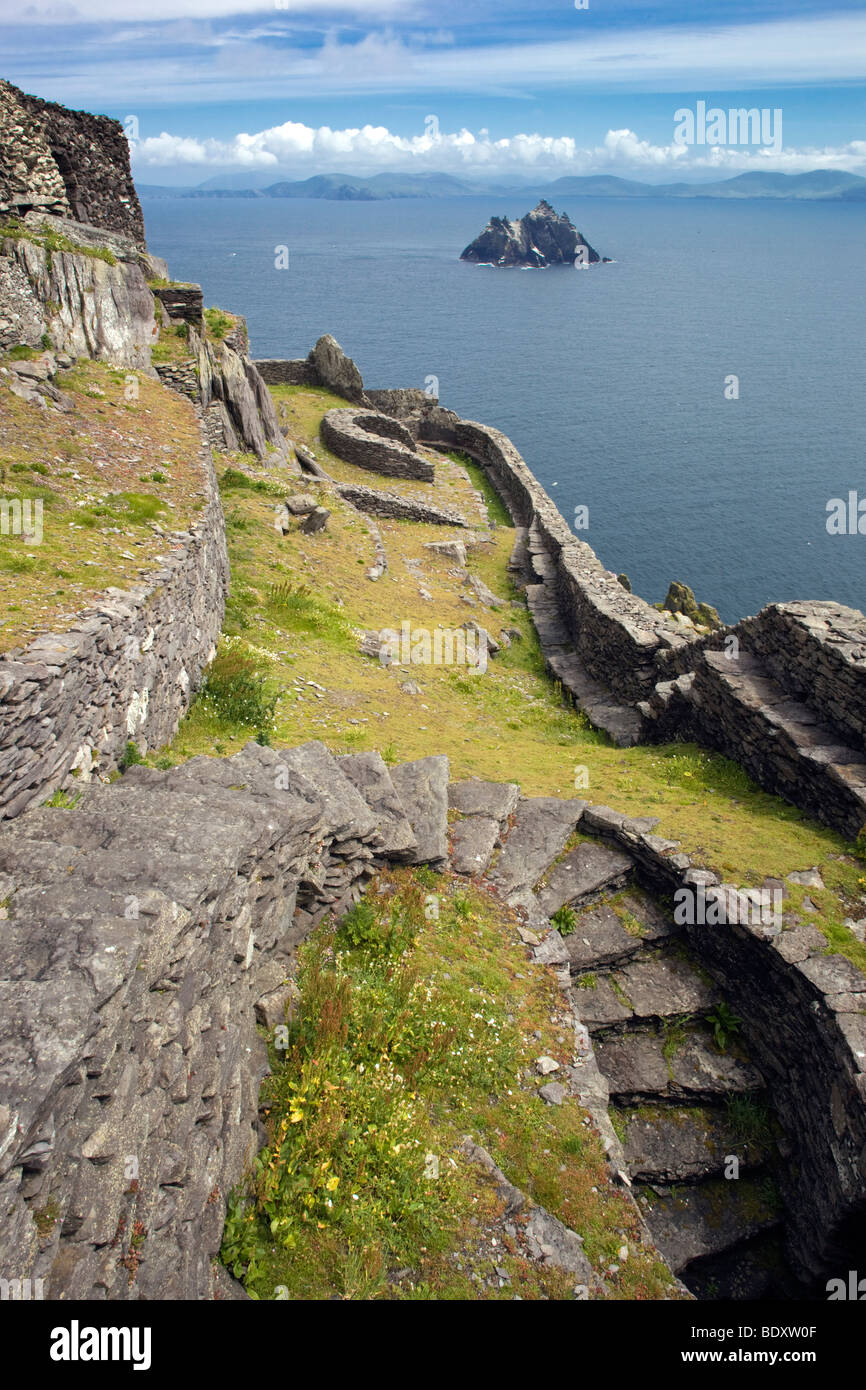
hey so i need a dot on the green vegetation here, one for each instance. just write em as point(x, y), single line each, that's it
point(172, 345)
point(725, 1025)
point(235, 693)
point(218, 324)
point(565, 920)
point(62, 800)
point(53, 240)
point(401, 1044)
point(751, 1119)
point(130, 757)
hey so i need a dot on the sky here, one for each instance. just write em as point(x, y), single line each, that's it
point(482, 89)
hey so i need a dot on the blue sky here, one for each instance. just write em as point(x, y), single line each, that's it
point(305, 86)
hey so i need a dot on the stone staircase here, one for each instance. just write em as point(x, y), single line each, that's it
point(133, 917)
point(531, 558)
point(784, 740)
point(643, 1000)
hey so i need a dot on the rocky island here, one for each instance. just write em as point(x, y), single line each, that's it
point(540, 238)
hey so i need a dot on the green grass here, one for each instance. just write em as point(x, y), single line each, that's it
point(218, 324)
point(53, 240)
point(411, 1032)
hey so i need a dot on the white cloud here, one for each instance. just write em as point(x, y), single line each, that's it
point(371, 149)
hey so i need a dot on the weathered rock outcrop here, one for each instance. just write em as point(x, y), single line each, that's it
point(86, 305)
point(332, 368)
point(65, 162)
point(540, 238)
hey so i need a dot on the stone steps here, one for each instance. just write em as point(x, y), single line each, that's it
point(623, 723)
point(713, 1218)
point(677, 1143)
point(737, 707)
point(584, 873)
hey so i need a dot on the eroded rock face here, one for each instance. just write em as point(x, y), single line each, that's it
point(87, 307)
point(541, 238)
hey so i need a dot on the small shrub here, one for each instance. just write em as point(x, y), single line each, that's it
point(725, 1025)
point(130, 757)
point(236, 692)
point(565, 920)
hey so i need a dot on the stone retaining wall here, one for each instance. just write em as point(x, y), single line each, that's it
point(279, 372)
point(388, 504)
point(183, 303)
point(70, 701)
point(618, 637)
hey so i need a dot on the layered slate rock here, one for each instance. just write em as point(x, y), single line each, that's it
point(369, 773)
point(422, 787)
point(540, 238)
point(142, 929)
point(541, 828)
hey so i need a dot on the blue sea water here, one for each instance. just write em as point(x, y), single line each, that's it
point(610, 381)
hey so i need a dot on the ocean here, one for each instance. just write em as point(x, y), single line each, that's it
point(613, 382)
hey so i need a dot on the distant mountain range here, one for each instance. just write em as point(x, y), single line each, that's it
point(820, 184)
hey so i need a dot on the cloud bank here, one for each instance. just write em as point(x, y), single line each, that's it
point(373, 149)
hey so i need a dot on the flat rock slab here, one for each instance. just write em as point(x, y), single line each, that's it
point(598, 1005)
point(473, 841)
point(599, 939)
point(369, 774)
point(682, 1143)
point(422, 787)
point(707, 1219)
point(552, 1243)
point(587, 870)
point(635, 1067)
point(665, 984)
point(477, 798)
point(542, 825)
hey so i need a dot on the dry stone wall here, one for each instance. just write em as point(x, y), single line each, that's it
point(66, 162)
point(70, 701)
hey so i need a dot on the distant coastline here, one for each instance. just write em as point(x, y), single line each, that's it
point(819, 185)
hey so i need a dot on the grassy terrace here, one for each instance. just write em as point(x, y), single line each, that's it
point(298, 604)
point(413, 1030)
point(105, 475)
